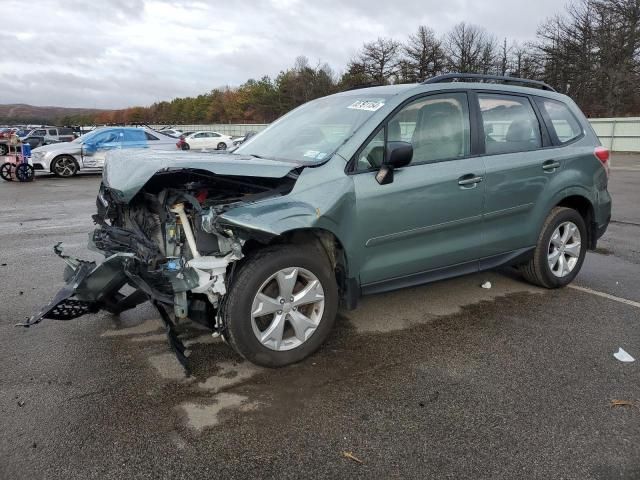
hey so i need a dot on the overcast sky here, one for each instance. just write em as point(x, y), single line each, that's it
point(119, 53)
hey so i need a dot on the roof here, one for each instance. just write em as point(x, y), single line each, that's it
point(414, 88)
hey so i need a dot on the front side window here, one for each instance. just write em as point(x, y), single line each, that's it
point(564, 123)
point(109, 136)
point(510, 124)
point(53, 132)
point(437, 126)
point(150, 137)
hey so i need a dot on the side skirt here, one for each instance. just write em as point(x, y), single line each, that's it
point(513, 257)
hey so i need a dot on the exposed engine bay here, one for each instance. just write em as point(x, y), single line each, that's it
point(170, 243)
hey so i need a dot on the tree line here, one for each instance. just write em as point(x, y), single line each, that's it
point(591, 52)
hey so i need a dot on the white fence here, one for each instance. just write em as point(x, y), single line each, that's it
point(617, 134)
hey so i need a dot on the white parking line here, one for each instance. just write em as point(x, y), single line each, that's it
point(606, 295)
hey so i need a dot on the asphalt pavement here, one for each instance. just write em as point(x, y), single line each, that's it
point(447, 380)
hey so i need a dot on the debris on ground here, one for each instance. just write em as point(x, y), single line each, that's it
point(352, 457)
point(623, 403)
point(486, 285)
point(623, 356)
point(21, 403)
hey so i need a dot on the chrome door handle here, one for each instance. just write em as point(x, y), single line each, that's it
point(466, 180)
point(550, 165)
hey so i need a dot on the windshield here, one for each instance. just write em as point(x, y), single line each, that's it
point(315, 130)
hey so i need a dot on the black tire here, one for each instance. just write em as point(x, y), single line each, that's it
point(186, 146)
point(246, 283)
point(537, 269)
point(221, 146)
point(70, 162)
point(4, 149)
point(5, 171)
point(25, 172)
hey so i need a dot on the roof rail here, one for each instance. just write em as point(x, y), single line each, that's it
point(478, 77)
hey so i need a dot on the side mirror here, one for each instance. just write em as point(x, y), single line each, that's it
point(398, 155)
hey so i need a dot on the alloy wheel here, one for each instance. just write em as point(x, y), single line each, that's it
point(564, 249)
point(287, 309)
point(65, 167)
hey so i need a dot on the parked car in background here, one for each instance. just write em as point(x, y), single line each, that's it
point(361, 192)
point(52, 134)
point(88, 151)
point(205, 140)
point(237, 141)
point(172, 132)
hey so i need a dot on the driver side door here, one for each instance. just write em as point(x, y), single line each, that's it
point(95, 151)
point(430, 217)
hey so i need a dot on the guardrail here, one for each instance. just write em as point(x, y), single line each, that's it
point(617, 134)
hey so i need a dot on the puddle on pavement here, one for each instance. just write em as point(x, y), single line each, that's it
point(201, 416)
point(230, 374)
point(403, 308)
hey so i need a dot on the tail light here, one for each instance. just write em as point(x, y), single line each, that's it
point(602, 154)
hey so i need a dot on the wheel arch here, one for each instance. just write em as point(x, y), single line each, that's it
point(53, 160)
point(584, 207)
point(332, 246)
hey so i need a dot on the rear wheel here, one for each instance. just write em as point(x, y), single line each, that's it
point(4, 149)
point(65, 166)
point(560, 251)
point(282, 305)
point(185, 146)
point(222, 146)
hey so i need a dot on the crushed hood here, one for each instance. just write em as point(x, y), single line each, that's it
point(127, 171)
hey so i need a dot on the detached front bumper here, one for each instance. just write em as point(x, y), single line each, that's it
point(89, 288)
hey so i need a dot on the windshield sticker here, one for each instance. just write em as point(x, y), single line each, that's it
point(368, 105)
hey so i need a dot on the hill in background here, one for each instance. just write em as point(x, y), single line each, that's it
point(29, 114)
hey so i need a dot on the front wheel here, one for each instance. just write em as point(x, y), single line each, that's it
point(222, 146)
point(282, 305)
point(560, 251)
point(65, 166)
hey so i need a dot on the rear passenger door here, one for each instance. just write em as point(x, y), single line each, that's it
point(518, 170)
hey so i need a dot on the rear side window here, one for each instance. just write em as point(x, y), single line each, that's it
point(564, 124)
point(53, 132)
point(134, 136)
point(510, 124)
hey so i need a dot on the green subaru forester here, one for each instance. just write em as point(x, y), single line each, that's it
point(357, 193)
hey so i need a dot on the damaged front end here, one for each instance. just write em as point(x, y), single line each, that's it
point(166, 244)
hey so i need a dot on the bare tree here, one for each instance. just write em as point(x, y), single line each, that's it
point(469, 49)
point(380, 59)
point(424, 55)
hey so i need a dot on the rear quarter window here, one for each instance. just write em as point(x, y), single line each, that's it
point(563, 123)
